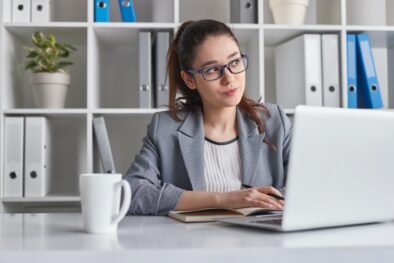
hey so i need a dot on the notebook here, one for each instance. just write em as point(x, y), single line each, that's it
point(212, 214)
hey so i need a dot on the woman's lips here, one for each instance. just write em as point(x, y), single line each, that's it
point(231, 92)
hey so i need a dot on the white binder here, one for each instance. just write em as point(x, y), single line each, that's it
point(145, 70)
point(41, 10)
point(330, 69)
point(298, 71)
point(161, 83)
point(20, 11)
point(13, 156)
point(36, 157)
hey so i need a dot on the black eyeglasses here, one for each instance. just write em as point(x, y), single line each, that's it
point(215, 72)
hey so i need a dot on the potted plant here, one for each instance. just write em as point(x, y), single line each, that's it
point(291, 12)
point(50, 79)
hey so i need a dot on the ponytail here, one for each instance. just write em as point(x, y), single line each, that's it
point(174, 71)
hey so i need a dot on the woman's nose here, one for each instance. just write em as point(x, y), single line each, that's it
point(227, 76)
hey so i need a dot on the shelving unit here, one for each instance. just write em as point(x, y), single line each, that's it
point(105, 75)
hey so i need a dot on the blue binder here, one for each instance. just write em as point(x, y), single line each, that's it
point(127, 10)
point(101, 10)
point(369, 89)
point(352, 88)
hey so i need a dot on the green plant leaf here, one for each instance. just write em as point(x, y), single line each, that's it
point(46, 55)
point(70, 48)
point(31, 64)
point(37, 38)
point(64, 64)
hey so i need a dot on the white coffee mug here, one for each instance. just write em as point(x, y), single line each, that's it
point(100, 199)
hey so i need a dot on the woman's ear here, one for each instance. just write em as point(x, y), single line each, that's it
point(189, 80)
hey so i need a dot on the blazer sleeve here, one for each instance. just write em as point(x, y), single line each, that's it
point(149, 195)
point(286, 143)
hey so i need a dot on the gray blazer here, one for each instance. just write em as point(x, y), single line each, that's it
point(171, 160)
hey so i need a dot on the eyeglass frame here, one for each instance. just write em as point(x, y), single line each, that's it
point(221, 68)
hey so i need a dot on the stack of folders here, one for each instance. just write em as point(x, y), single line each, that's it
point(152, 57)
point(307, 71)
point(102, 10)
point(31, 11)
point(363, 84)
point(26, 157)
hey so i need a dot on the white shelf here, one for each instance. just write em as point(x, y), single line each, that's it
point(47, 25)
point(46, 112)
point(114, 25)
point(46, 199)
point(127, 111)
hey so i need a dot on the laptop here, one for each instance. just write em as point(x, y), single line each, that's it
point(341, 171)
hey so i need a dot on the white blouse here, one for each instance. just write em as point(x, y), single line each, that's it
point(222, 166)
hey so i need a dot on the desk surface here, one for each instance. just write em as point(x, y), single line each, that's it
point(161, 239)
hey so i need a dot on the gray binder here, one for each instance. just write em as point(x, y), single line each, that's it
point(243, 11)
point(104, 147)
point(161, 48)
point(145, 70)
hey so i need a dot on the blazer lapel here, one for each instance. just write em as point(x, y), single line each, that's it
point(250, 143)
point(191, 141)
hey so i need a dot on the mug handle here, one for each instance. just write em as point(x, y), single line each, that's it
point(125, 202)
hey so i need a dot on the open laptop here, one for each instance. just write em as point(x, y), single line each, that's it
point(341, 170)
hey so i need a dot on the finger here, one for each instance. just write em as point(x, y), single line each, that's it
point(262, 204)
point(254, 194)
point(270, 200)
point(268, 190)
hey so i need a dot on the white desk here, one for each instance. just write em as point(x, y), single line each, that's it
point(60, 238)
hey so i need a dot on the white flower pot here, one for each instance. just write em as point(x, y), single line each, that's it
point(289, 12)
point(50, 89)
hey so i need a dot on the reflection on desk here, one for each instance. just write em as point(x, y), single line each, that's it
point(147, 239)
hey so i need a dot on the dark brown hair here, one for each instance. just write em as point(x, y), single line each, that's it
point(181, 54)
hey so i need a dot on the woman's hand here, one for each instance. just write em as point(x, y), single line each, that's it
point(251, 197)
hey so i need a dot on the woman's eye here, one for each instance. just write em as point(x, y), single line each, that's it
point(235, 62)
point(211, 70)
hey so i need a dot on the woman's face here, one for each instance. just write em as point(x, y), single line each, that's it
point(226, 91)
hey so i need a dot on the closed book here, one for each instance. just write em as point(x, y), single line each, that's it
point(212, 214)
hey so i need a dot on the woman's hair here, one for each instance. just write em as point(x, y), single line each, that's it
point(181, 55)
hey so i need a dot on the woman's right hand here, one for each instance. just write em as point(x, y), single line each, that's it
point(251, 197)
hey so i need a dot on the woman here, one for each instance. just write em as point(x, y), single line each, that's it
point(213, 140)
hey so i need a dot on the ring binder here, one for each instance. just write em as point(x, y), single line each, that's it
point(127, 10)
point(101, 10)
point(13, 156)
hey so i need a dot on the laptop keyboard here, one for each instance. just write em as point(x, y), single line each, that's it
point(269, 221)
